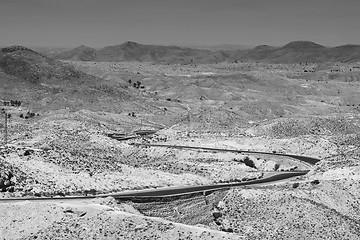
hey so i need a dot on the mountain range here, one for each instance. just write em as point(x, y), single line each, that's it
point(293, 52)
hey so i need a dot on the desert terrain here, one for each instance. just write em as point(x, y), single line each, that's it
point(63, 109)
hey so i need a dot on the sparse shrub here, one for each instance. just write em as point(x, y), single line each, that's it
point(91, 191)
point(217, 214)
point(248, 162)
point(28, 115)
point(230, 230)
point(27, 152)
point(315, 182)
point(276, 167)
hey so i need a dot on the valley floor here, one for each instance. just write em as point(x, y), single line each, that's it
point(66, 150)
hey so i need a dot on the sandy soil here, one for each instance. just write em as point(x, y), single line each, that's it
point(99, 219)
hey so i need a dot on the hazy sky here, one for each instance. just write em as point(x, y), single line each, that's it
point(99, 23)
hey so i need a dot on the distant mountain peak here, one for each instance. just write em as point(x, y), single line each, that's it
point(303, 45)
point(81, 53)
point(83, 46)
point(348, 46)
point(14, 49)
point(263, 47)
point(130, 44)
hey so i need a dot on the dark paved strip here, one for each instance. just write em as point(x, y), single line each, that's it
point(124, 138)
point(202, 188)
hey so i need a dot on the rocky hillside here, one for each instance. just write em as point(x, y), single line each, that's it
point(27, 64)
point(47, 84)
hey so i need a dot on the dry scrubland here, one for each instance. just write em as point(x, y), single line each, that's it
point(306, 109)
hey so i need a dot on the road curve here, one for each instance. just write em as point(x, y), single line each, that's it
point(309, 160)
point(184, 190)
point(173, 191)
point(169, 191)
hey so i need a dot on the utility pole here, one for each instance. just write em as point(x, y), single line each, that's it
point(6, 128)
point(189, 120)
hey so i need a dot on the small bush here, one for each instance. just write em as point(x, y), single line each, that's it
point(248, 162)
point(315, 182)
point(276, 167)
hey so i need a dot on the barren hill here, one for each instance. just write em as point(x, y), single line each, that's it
point(303, 46)
point(81, 53)
point(345, 53)
point(22, 62)
point(131, 51)
point(47, 84)
point(300, 51)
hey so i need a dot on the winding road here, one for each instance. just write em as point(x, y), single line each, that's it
point(309, 160)
point(184, 190)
